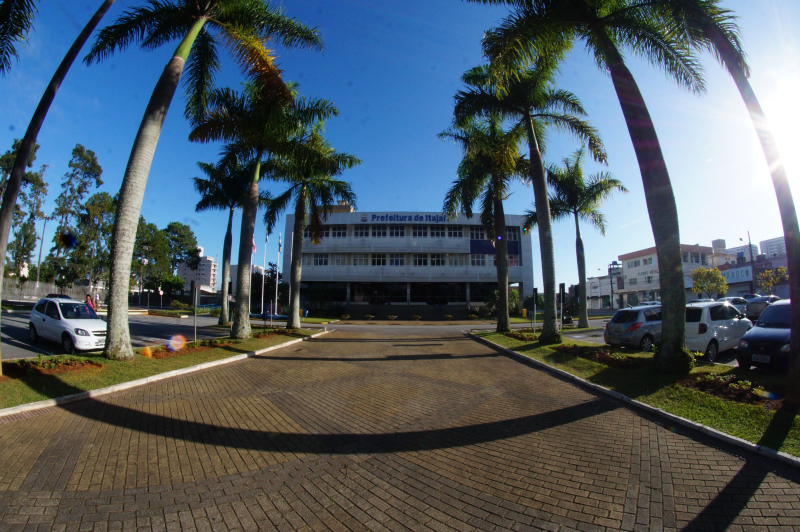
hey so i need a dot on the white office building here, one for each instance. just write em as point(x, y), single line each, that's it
point(409, 258)
point(744, 250)
point(774, 247)
point(205, 276)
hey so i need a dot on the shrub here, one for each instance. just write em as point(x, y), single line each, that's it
point(177, 304)
point(448, 317)
point(416, 317)
point(215, 312)
point(369, 317)
point(392, 317)
point(473, 316)
point(345, 316)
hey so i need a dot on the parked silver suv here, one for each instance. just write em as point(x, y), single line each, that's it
point(638, 327)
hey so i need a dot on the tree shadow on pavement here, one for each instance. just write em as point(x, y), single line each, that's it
point(388, 358)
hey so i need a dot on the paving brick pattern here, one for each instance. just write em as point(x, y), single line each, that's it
point(377, 431)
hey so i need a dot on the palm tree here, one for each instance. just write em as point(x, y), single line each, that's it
point(16, 21)
point(256, 124)
point(492, 159)
point(15, 18)
point(243, 27)
point(313, 189)
point(225, 189)
point(607, 27)
point(530, 98)
point(709, 27)
point(575, 196)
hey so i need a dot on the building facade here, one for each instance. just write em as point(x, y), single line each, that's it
point(409, 258)
point(774, 247)
point(205, 276)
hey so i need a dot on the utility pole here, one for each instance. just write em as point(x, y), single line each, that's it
point(752, 264)
point(39, 264)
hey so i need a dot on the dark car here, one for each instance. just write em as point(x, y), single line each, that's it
point(757, 305)
point(767, 343)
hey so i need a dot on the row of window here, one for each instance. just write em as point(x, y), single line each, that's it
point(417, 231)
point(637, 263)
point(695, 258)
point(399, 259)
point(634, 281)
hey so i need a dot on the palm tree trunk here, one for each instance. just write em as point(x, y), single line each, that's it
point(293, 321)
point(226, 269)
point(501, 248)
point(545, 227)
point(29, 140)
point(786, 207)
point(583, 313)
point(241, 316)
point(661, 208)
point(118, 341)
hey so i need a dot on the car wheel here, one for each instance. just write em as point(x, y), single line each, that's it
point(67, 344)
point(647, 343)
point(32, 334)
point(743, 363)
point(711, 351)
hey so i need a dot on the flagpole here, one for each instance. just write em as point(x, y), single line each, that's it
point(263, 279)
point(277, 264)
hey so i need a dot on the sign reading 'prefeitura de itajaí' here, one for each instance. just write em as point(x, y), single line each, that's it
point(434, 218)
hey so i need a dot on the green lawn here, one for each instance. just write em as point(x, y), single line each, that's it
point(35, 387)
point(776, 429)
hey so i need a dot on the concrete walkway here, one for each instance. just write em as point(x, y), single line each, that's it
point(377, 430)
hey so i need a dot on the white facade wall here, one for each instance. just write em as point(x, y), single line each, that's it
point(455, 251)
point(205, 276)
point(743, 249)
point(774, 247)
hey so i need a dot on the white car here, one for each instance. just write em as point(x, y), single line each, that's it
point(714, 327)
point(71, 323)
point(739, 302)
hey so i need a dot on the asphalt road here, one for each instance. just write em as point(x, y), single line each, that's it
point(145, 330)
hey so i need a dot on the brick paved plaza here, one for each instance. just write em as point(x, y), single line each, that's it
point(379, 428)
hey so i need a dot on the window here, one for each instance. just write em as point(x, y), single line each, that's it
point(632, 282)
point(685, 256)
point(477, 260)
point(397, 259)
point(40, 307)
point(512, 233)
point(320, 259)
point(307, 259)
point(324, 232)
point(378, 231)
point(717, 313)
point(703, 259)
point(338, 231)
point(52, 311)
point(456, 260)
point(732, 313)
point(379, 259)
point(360, 259)
point(338, 259)
point(648, 279)
point(476, 233)
point(513, 260)
point(454, 231)
point(437, 259)
point(647, 261)
point(420, 231)
point(437, 231)
point(420, 259)
point(362, 231)
point(653, 315)
point(634, 264)
point(397, 231)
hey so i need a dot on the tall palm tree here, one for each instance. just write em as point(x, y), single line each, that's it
point(607, 28)
point(225, 188)
point(16, 16)
point(710, 27)
point(313, 189)
point(16, 21)
point(530, 98)
point(243, 27)
point(256, 124)
point(492, 159)
point(575, 196)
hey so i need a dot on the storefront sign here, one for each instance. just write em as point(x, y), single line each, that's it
point(737, 275)
point(434, 218)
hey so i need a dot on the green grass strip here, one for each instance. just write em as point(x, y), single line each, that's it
point(778, 430)
point(35, 387)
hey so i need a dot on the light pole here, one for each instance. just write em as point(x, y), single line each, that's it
point(752, 266)
point(143, 262)
point(39, 264)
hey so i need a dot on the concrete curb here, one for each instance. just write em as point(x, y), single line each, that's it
point(47, 403)
point(704, 429)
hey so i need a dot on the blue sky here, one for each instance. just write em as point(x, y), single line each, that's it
point(392, 69)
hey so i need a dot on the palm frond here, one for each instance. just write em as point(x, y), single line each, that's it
point(16, 21)
point(201, 66)
point(276, 207)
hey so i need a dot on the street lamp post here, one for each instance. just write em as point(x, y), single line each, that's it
point(752, 265)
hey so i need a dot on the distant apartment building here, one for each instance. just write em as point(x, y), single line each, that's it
point(774, 247)
point(205, 276)
point(743, 250)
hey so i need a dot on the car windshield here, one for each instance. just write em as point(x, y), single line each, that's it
point(759, 299)
point(777, 316)
point(693, 315)
point(77, 311)
point(625, 316)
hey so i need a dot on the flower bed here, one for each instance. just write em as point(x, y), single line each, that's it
point(609, 357)
point(733, 388)
point(54, 365)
